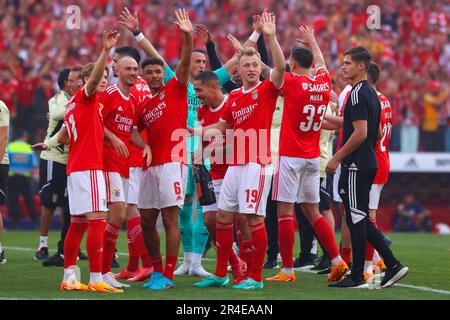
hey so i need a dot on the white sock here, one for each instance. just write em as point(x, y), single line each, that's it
point(314, 247)
point(43, 242)
point(69, 275)
point(368, 266)
point(188, 258)
point(196, 259)
point(95, 277)
point(336, 260)
point(376, 257)
point(287, 270)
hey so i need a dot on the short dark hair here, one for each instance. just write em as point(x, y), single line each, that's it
point(129, 52)
point(199, 50)
point(62, 78)
point(207, 76)
point(152, 61)
point(373, 74)
point(360, 54)
point(302, 56)
point(76, 69)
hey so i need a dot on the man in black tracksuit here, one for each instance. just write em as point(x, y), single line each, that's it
point(359, 167)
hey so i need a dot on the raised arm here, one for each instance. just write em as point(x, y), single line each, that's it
point(110, 39)
point(202, 32)
point(185, 26)
point(131, 22)
point(269, 29)
point(308, 40)
point(231, 64)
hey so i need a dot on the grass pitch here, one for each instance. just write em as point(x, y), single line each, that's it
point(427, 256)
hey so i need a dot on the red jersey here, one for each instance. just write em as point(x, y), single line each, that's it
point(118, 116)
point(250, 113)
point(305, 103)
point(164, 116)
point(207, 116)
point(84, 123)
point(139, 91)
point(382, 145)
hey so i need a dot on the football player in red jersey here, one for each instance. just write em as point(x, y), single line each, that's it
point(207, 88)
point(119, 118)
point(135, 240)
point(245, 188)
point(382, 153)
point(163, 114)
point(85, 182)
point(298, 178)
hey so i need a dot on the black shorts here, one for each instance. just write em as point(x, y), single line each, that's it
point(354, 190)
point(52, 184)
point(4, 170)
point(325, 193)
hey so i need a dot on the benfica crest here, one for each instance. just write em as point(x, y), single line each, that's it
point(255, 95)
point(304, 85)
point(161, 96)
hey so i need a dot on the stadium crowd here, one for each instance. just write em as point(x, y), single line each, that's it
point(411, 47)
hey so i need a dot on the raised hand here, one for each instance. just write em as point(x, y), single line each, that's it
point(128, 20)
point(202, 32)
point(268, 24)
point(183, 22)
point(110, 39)
point(306, 36)
point(257, 24)
point(235, 42)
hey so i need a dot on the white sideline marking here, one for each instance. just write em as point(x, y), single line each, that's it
point(399, 285)
point(421, 288)
point(209, 259)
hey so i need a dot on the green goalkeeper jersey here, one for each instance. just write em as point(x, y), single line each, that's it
point(194, 102)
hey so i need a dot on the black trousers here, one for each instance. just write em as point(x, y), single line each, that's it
point(20, 185)
point(64, 229)
point(354, 189)
point(272, 228)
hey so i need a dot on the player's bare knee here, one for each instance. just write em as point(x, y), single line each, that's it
point(254, 219)
point(285, 209)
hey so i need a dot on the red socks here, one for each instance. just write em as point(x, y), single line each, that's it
point(224, 244)
point(326, 236)
point(133, 257)
point(94, 244)
point(134, 229)
point(109, 244)
point(246, 252)
point(171, 262)
point(286, 239)
point(346, 255)
point(259, 240)
point(157, 265)
point(78, 226)
point(369, 248)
